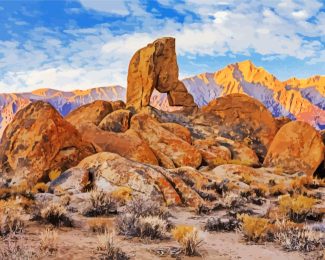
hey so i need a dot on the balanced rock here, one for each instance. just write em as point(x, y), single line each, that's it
point(117, 121)
point(170, 150)
point(127, 144)
point(93, 112)
point(241, 118)
point(155, 67)
point(39, 140)
point(297, 147)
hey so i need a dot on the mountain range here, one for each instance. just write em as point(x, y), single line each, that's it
point(300, 99)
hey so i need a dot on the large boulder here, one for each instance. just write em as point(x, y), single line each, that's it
point(127, 144)
point(240, 118)
point(155, 67)
point(175, 187)
point(39, 140)
point(117, 121)
point(296, 147)
point(178, 130)
point(171, 150)
point(93, 112)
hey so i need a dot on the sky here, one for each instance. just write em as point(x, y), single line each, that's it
point(79, 44)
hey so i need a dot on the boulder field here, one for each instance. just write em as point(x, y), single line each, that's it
point(175, 157)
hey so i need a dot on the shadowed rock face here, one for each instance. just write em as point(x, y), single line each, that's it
point(39, 140)
point(240, 118)
point(297, 147)
point(155, 67)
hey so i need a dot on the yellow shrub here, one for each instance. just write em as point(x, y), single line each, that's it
point(99, 225)
point(246, 177)
point(54, 174)
point(40, 187)
point(188, 238)
point(279, 189)
point(255, 228)
point(296, 207)
point(122, 194)
point(260, 189)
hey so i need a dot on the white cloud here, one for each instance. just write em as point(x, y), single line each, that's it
point(118, 7)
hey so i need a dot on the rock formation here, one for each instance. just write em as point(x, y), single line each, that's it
point(155, 67)
point(93, 112)
point(240, 118)
point(171, 150)
point(117, 121)
point(297, 147)
point(39, 140)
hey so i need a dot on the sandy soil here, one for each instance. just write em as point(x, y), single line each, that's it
point(80, 242)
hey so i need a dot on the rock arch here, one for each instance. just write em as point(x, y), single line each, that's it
point(155, 67)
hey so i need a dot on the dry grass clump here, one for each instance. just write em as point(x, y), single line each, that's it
point(298, 238)
point(40, 187)
point(101, 204)
point(54, 174)
point(296, 208)
point(122, 195)
point(152, 227)
point(49, 241)
point(279, 189)
point(23, 189)
point(188, 238)
point(222, 224)
point(143, 218)
point(98, 225)
point(255, 229)
point(260, 189)
point(11, 217)
point(15, 248)
point(107, 248)
point(56, 215)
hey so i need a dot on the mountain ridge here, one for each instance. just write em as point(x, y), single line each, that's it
point(301, 99)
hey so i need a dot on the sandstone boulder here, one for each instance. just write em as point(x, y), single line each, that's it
point(170, 150)
point(118, 104)
point(39, 140)
point(155, 67)
point(117, 121)
point(72, 181)
point(296, 147)
point(127, 144)
point(183, 186)
point(178, 130)
point(93, 112)
point(281, 121)
point(240, 118)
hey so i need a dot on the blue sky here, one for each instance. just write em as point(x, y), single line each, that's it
point(78, 44)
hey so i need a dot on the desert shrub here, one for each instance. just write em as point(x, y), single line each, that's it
point(221, 224)
point(188, 238)
point(11, 218)
point(279, 189)
point(144, 208)
point(296, 208)
point(143, 218)
point(98, 225)
point(40, 187)
point(49, 241)
point(107, 248)
point(255, 228)
point(260, 189)
point(233, 201)
point(152, 227)
point(101, 204)
point(122, 194)
point(15, 248)
point(246, 178)
point(299, 239)
point(56, 215)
